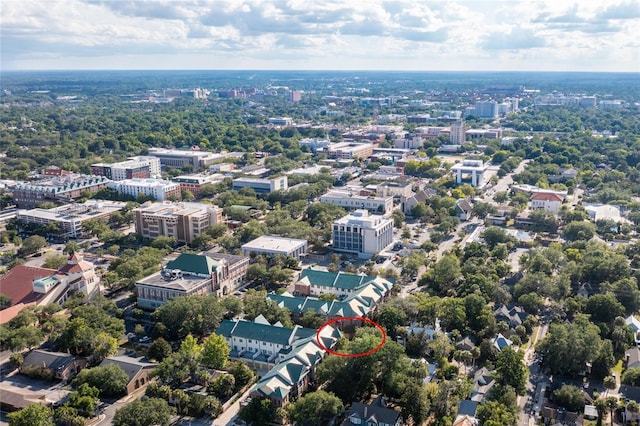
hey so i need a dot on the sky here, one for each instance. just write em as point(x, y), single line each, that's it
point(439, 35)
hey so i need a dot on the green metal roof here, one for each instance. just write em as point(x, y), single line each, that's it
point(262, 332)
point(194, 263)
point(336, 280)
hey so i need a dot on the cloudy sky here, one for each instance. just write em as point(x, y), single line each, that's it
point(562, 35)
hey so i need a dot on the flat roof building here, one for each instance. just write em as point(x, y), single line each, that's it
point(362, 234)
point(135, 167)
point(349, 150)
point(271, 245)
point(476, 168)
point(182, 221)
point(180, 158)
point(261, 186)
point(71, 217)
point(194, 183)
point(352, 200)
point(159, 189)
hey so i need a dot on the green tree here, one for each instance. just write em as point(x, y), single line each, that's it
point(159, 349)
point(32, 245)
point(604, 308)
point(215, 352)
point(110, 379)
point(570, 397)
point(33, 415)
point(258, 412)
point(144, 412)
point(315, 407)
point(71, 248)
point(54, 261)
point(511, 370)
point(575, 231)
point(241, 373)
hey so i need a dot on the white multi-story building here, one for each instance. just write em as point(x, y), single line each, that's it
point(457, 134)
point(486, 109)
point(349, 150)
point(314, 144)
point(362, 234)
point(182, 221)
point(159, 189)
point(271, 245)
point(71, 217)
point(548, 201)
point(351, 200)
point(261, 186)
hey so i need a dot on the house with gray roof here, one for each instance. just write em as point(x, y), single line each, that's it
point(137, 370)
point(59, 365)
point(374, 414)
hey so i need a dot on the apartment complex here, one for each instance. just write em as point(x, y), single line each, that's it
point(352, 200)
point(349, 150)
point(71, 217)
point(179, 158)
point(27, 195)
point(290, 354)
point(182, 221)
point(261, 186)
point(159, 189)
point(362, 234)
point(192, 274)
point(314, 282)
point(457, 133)
point(271, 245)
point(140, 167)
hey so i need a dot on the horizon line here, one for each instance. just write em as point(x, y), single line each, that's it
point(312, 70)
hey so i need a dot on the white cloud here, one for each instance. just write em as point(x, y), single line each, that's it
point(327, 34)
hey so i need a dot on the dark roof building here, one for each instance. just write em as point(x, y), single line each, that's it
point(137, 369)
point(63, 366)
point(374, 414)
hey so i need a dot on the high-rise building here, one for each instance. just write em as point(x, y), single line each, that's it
point(295, 96)
point(362, 234)
point(486, 109)
point(457, 134)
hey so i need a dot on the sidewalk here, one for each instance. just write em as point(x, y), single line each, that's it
point(229, 415)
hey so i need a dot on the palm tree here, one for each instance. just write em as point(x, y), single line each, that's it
point(601, 407)
point(612, 404)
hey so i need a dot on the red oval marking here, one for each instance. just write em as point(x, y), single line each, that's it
point(367, 320)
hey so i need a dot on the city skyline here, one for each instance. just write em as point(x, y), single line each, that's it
point(483, 35)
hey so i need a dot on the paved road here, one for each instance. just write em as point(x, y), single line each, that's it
point(530, 404)
point(504, 182)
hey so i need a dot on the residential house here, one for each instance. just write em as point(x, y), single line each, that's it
point(512, 315)
point(464, 209)
point(466, 413)
point(634, 324)
point(466, 344)
point(547, 201)
point(61, 366)
point(374, 414)
point(632, 357)
point(483, 381)
point(137, 369)
point(410, 202)
point(500, 342)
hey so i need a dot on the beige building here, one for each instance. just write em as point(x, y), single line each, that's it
point(182, 221)
point(349, 150)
